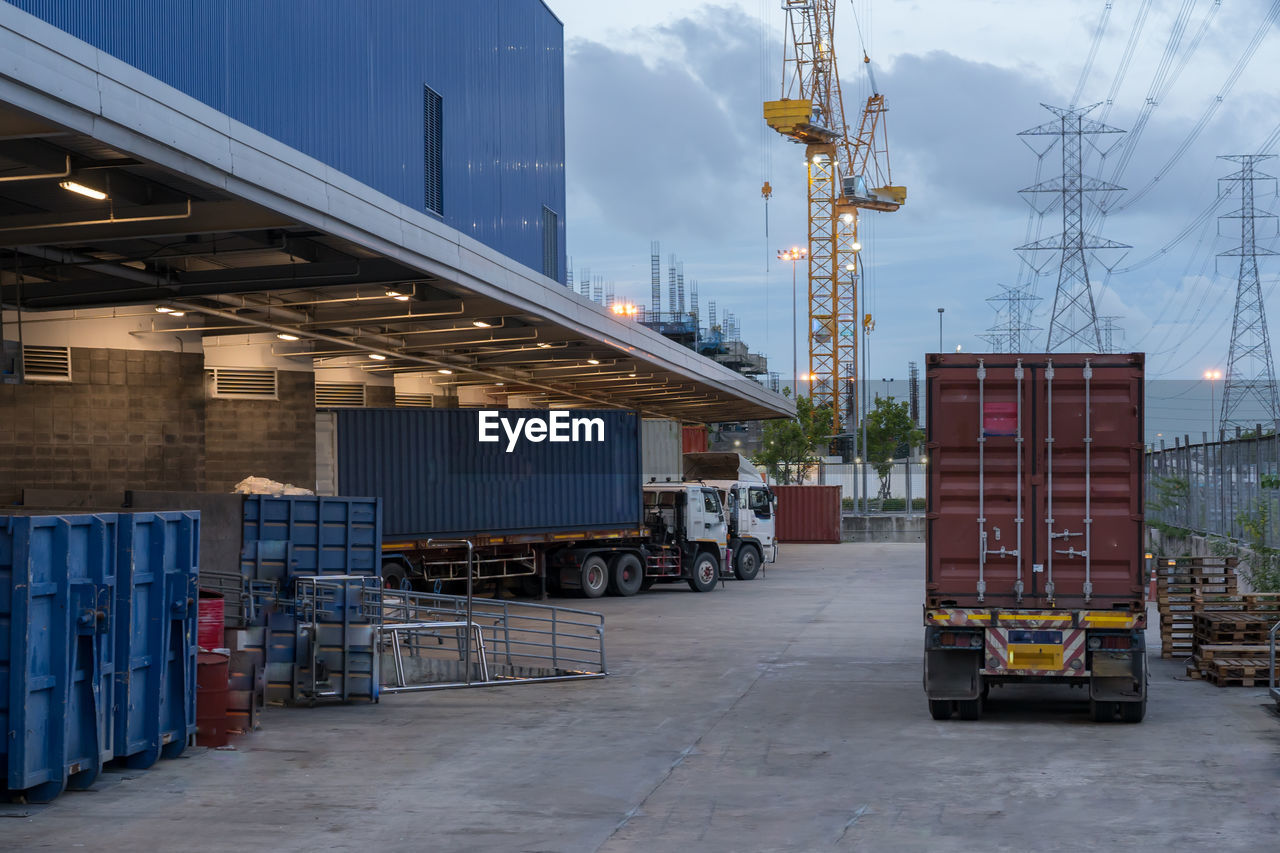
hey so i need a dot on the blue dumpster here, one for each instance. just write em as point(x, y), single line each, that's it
point(156, 643)
point(57, 580)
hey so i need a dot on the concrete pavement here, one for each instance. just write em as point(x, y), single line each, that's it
point(784, 713)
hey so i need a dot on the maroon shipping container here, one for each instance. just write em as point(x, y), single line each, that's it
point(694, 439)
point(1035, 496)
point(808, 513)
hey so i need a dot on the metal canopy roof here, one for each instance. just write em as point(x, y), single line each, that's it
point(240, 233)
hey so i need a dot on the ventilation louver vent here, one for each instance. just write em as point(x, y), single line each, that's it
point(245, 383)
point(406, 400)
point(433, 149)
point(46, 364)
point(346, 395)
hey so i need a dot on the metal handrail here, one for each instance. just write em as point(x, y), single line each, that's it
point(566, 642)
point(471, 556)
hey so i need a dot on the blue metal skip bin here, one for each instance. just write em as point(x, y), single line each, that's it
point(286, 537)
point(57, 579)
point(156, 646)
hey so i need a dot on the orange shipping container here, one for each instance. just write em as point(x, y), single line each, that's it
point(694, 439)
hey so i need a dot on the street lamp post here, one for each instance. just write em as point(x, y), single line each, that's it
point(855, 402)
point(795, 253)
point(940, 310)
point(867, 326)
point(1212, 376)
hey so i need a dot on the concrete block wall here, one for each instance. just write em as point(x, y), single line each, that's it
point(128, 419)
point(142, 419)
point(263, 438)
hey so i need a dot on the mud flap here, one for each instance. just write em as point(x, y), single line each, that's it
point(1118, 677)
point(952, 674)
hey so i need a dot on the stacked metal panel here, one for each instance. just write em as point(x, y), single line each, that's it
point(314, 638)
point(85, 601)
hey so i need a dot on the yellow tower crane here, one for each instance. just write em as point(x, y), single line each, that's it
point(847, 173)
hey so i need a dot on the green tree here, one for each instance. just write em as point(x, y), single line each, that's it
point(890, 435)
point(790, 446)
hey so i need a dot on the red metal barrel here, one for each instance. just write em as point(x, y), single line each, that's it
point(211, 698)
point(210, 618)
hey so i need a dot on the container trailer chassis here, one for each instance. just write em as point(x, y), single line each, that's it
point(969, 650)
point(622, 562)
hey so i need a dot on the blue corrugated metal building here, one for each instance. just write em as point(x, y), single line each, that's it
point(456, 109)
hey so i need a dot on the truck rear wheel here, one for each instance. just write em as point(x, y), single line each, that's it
point(706, 570)
point(747, 562)
point(595, 577)
point(940, 709)
point(969, 709)
point(625, 575)
point(1102, 712)
point(393, 575)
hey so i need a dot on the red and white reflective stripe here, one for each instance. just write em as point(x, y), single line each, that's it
point(997, 654)
point(997, 649)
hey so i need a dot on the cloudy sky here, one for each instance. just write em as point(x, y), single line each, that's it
point(666, 142)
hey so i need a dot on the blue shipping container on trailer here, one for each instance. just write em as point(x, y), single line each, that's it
point(158, 558)
point(57, 589)
point(462, 472)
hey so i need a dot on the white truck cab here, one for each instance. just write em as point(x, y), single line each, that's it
point(749, 503)
point(688, 518)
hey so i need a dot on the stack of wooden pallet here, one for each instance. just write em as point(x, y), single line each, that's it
point(1179, 580)
point(1231, 634)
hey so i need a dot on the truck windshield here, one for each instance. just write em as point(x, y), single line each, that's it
point(758, 501)
point(711, 503)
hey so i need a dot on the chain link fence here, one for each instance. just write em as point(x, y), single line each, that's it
point(864, 490)
point(1228, 488)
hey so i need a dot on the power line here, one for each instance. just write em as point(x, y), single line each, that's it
point(1263, 29)
point(1093, 52)
point(1135, 34)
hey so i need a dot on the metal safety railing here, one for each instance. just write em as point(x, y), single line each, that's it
point(1228, 488)
point(433, 642)
point(890, 488)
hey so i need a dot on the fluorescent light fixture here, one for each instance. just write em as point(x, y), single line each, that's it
point(480, 324)
point(394, 293)
point(377, 356)
point(446, 371)
point(402, 298)
point(177, 313)
point(285, 336)
point(499, 383)
point(593, 361)
point(163, 309)
point(90, 192)
point(544, 346)
point(631, 376)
